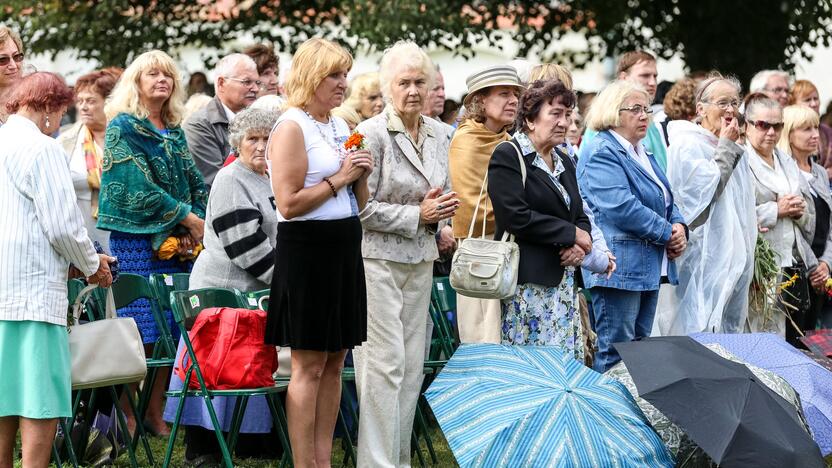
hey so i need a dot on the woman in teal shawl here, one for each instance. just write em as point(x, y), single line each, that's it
point(150, 188)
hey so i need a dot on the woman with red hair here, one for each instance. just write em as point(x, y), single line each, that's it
point(805, 93)
point(43, 234)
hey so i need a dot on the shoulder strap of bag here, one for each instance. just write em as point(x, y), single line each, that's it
point(109, 306)
point(485, 182)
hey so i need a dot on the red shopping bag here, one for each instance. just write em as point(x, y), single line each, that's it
point(229, 346)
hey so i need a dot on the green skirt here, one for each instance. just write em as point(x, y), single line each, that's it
point(35, 370)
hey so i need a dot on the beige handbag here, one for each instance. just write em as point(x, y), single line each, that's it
point(105, 352)
point(485, 268)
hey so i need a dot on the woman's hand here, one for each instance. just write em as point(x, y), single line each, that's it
point(446, 242)
point(730, 130)
point(611, 266)
point(790, 206)
point(355, 165)
point(583, 240)
point(364, 160)
point(436, 207)
point(572, 256)
point(102, 276)
point(195, 226)
point(819, 275)
point(678, 241)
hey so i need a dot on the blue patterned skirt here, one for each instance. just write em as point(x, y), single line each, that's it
point(545, 316)
point(135, 255)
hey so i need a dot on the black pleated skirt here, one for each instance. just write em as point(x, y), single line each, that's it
point(318, 299)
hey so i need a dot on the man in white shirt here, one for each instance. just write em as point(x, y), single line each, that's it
point(237, 84)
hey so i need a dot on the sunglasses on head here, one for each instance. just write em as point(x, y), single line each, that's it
point(764, 126)
point(5, 59)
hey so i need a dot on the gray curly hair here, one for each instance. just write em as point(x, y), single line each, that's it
point(247, 121)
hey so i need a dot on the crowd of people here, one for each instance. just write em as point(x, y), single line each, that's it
point(634, 217)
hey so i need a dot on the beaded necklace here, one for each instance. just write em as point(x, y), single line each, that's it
point(335, 147)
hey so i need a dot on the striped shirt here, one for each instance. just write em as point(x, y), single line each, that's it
point(43, 229)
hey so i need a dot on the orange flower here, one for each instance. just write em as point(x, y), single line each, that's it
point(354, 142)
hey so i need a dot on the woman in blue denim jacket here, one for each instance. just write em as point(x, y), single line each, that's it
point(633, 205)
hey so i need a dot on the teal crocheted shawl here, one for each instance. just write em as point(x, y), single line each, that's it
point(149, 182)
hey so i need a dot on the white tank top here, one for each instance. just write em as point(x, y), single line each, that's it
point(324, 143)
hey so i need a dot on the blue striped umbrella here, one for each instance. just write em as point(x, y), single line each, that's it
point(533, 406)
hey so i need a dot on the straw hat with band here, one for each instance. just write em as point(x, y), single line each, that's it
point(500, 75)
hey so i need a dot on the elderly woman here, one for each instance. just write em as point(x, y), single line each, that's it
point(490, 108)
point(240, 236)
point(631, 201)
point(150, 188)
point(785, 210)
point(268, 67)
point(44, 234)
point(805, 93)
point(364, 95)
point(714, 192)
point(800, 139)
point(545, 214)
point(11, 61)
point(84, 143)
point(318, 302)
point(410, 199)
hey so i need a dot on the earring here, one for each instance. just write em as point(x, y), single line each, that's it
point(47, 121)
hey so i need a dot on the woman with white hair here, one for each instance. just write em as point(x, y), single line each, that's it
point(632, 204)
point(713, 189)
point(410, 201)
point(240, 237)
point(364, 95)
point(150, 186)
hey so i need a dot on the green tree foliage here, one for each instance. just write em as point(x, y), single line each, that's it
point(737, 37)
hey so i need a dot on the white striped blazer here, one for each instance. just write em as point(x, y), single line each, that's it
point(42, 226)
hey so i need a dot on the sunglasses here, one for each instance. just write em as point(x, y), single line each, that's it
point(764, 126)
point(6, 59)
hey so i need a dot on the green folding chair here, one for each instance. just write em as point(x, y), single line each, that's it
point(186, 305)
point(443, 300)
point(164, 284)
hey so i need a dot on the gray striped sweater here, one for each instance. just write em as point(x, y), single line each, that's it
point(240, 232)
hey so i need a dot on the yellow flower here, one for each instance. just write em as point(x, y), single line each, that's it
point(788, 283)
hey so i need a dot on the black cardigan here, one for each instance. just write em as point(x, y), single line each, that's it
point(538, 216)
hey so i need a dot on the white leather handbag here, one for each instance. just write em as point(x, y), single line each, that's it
point(485, 268)
point(105, 352)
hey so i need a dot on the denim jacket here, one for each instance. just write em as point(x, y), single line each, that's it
point(629, 208)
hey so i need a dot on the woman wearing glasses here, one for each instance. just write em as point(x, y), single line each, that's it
point(11, 62)
point(714, 192)
point(633, 205)
point(785, 210)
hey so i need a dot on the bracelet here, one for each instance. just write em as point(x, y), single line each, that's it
point(331, 187)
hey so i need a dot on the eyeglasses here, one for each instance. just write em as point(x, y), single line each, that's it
point(724, 104)
point(246, 82)
point(764, 126)
point(637, 109)
point(5, 59)
point(778, 90)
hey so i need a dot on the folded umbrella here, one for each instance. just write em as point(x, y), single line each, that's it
point(721, 405)
point(812, 381)
point(533, 406)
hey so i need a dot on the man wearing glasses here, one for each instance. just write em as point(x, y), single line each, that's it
point(237, 84)
point(772, 83)
point(11, 61)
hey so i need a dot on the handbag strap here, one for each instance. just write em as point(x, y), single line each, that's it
point(482, 190)
point(109, 306)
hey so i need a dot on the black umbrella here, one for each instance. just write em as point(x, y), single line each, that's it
point(720, 404)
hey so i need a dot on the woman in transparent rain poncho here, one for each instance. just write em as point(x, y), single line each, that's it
point(713, 189)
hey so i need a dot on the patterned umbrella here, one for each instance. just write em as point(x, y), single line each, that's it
point(809, 379)
point(685, 450)
point(532, 406)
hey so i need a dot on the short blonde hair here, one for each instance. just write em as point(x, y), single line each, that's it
point(551, 71)
point(314, 60)
point(604, 112)
point(404, 55)
point(126, 97)
point(350, 115)
point(7, 33)
point(360, 87)
point(796, 117)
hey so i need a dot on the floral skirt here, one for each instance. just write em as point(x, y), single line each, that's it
point(545, 316)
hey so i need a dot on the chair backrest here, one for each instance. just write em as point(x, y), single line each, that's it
point(442, 294)
point(443, 300)
point(253, 299)
point(164, 284)
point(188, 304)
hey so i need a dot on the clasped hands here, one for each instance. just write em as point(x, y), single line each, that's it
point(678, 241)
point(574, 255)
point(102, 277)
